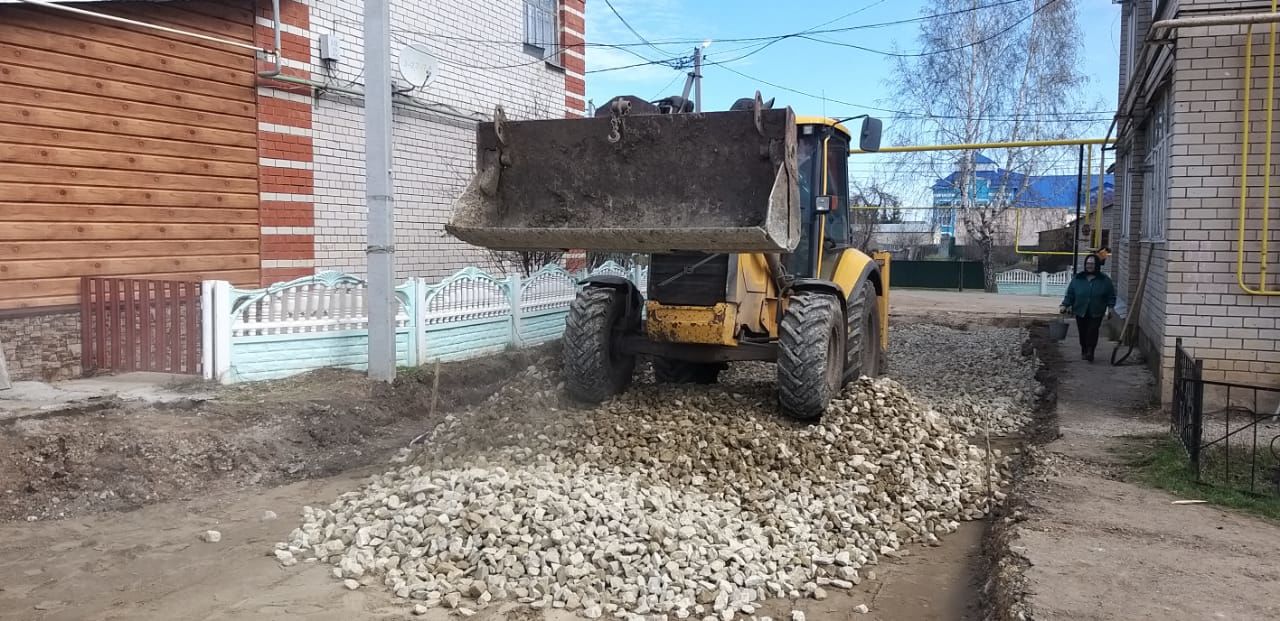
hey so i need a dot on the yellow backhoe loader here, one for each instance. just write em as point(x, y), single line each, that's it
point(745, 214)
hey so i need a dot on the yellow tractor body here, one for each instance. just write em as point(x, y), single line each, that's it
point(744, 216)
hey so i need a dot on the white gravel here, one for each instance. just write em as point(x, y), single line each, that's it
point(977, 376)
point(692, 502)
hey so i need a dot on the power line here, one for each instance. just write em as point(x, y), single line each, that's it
point(755, 39)
point(635, 32)
point(902, 113)
point(957, 48)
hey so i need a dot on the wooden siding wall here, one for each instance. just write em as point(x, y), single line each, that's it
point(124, 151)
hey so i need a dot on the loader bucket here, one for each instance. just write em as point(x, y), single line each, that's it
point(718, 181)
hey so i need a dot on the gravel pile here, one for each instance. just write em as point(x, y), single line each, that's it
point(978, 376)
point(684, 501)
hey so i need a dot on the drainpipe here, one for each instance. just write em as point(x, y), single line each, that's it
point(279, 25)
point(1211, 20)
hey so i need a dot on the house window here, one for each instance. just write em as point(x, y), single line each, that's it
point(1126, 201)
point(1130, 44)
point(1155, 181)
point(540, 29)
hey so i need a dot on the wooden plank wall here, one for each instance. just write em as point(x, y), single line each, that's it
point(125, 151)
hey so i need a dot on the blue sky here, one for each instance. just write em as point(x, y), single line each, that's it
point(840, 73)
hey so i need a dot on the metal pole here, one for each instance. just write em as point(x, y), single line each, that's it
point(697, 79)
point(1075, 242)
point(378, 190)
point(916, 148)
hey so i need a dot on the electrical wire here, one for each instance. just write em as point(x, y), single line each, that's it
point(664, 88)
point(957, 48)
point(901, 113)
point(756, 39)
point(635, 32)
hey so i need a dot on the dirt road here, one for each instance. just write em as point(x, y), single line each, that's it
point(118, 495)
point(151, 564)
point(1101, 548)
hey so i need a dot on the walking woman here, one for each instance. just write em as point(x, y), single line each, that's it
point(1090, 297)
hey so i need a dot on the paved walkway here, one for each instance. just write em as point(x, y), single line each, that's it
point(1101, 548)
point(933, 302)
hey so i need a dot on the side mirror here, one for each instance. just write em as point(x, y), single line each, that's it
point(869, 141)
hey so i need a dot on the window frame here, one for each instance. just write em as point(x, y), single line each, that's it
point(1131, 45)
point(542, 30)
point(1126, 200)
point(1155, 181)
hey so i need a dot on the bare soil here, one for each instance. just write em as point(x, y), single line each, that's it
point(120, 494)
point(1081, 542)
point(107, 455)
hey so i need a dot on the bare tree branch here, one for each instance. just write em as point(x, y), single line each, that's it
point(1011, 87)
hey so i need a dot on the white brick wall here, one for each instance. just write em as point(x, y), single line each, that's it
point(1192, 291)
point(434, 155)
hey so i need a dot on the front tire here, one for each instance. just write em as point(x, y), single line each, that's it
point(594, 366)
point(863, 354)
point(811, 354)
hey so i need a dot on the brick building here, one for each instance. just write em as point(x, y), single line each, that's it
point(1180, 131)
point(134, 152)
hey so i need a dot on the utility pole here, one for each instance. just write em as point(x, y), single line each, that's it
point(1080, 191)
point(378, 190)
point(697, 79)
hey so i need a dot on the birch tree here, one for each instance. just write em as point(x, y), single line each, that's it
point(993, 73)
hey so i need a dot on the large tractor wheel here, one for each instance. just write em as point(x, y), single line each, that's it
point(668, 371)
point(811, 357)
point(594, 366)
point(863, 354)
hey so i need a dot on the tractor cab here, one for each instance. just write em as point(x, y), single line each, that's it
point(822, 160)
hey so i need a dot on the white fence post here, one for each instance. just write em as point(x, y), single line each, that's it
point(418, 308)
point(219, 330)
point(207, 327)
point(1044, 283)
point(513, 294)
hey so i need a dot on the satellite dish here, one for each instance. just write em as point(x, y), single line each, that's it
point(417, 65)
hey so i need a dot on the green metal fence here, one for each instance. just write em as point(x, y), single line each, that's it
point(958, 275)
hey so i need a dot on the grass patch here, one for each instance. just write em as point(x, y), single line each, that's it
point(1160, 462)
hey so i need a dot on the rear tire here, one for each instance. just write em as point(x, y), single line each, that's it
point(863, 354)
point(594, 367)
point(811, 356)
point(669, 371)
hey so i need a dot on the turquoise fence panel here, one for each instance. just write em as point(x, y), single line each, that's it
point(468, 314)
point(309, 323)
point(322, 320)
point(545, 297)
point(542, 328)
point(275, 356)
point(447, 343)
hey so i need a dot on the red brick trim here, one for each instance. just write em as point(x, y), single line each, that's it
point(573, 30)
point(284, 139)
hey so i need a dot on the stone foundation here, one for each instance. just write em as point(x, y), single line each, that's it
point(42, 347)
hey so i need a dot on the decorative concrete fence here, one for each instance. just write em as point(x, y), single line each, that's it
point(322, 321)
point(1023, 282)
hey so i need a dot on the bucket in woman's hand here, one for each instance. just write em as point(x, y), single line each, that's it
point(1058, 329)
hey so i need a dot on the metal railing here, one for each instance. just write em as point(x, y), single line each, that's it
point(1243, 449)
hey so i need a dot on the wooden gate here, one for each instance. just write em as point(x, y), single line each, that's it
point(130, 324)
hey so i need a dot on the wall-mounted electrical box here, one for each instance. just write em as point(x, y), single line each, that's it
point(330, 47)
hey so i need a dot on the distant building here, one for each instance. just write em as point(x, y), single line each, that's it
point(1040, 202)
point(906, 238)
